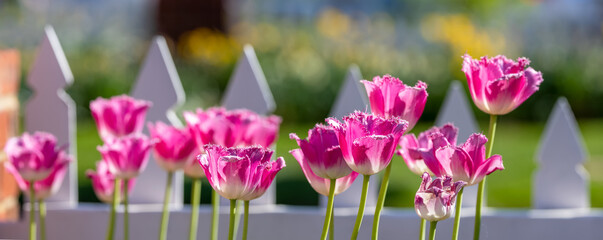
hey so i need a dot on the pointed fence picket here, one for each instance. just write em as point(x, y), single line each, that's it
point(560, 157)
point(158, 82)
point(51, 109)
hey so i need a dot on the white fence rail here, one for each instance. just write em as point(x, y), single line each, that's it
point(562, 152)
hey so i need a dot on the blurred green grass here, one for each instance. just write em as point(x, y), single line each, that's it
point(516, 141)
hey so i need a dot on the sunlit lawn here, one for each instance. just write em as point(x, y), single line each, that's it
point(515, 141)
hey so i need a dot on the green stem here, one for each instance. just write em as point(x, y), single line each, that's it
point(328, 214)
point(215, 214)
point(432, 229)
point(365, 183)
point(246, 220)
point(42, 219)
point(126, 212)
point(457, 215)
point(237, 218)
point(381, 201)
point(233, 211)
point(32, 211)
point(196, 197)
point(165, 215)
point(114, 204)
point(482, 184)
point(332, 226)
point(422, 229)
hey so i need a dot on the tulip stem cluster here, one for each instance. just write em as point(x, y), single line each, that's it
point(329, 213)
point(114, 204)
point(365, 182)
point(231, 225)
point(166, 200)
point(482, 184)
point(32, 211)
point(457, 214)
point(422, 229)
point(432, 229)
point(381, 201)
point(196, 197)
point(215, 214)
point(42, 213)
point(246, 220)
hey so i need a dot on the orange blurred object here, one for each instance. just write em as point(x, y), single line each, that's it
point(9, 110)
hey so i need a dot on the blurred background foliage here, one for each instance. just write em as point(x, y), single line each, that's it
point(305, 48)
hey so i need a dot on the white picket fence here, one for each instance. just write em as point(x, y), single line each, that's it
point(560, 187)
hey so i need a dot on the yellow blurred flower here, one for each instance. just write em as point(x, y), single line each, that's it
point(209, 46)
point(333, 24)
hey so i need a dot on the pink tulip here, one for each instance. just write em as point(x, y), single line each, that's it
point(435, 199)
point(46, 187)
point(34, 157)
point(127, 156)
point(118, 116)
point(322, 153)
point(232, 128)
point(499, 85)
point(173, 147)
point(389, 97)
point(240, 173)
point(319, 184)
point(192, 168)
point(103, 182)
point(262, 131)
point(466, 163)
point(411, 147)
point(368, 142)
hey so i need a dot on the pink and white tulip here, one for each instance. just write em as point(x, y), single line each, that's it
point(192, 168)
point(45, 187)
point(103, 182)
point(262, 131)
point(126, 156)
point(411, 146)
point(321, 152)
point(319, 184)
point(34, 156)
point(118, 116)
point(367, 141)
point(173, 147)
point(435, 199)
point(390, 97)
point(499, 85)
point(466, 163)
point(240, 173)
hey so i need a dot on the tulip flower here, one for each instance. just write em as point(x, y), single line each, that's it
point(34, 156)
point(367, 143)
point(322, 152)
point(192, 169)
point(390, 97)
point(262, 131)
point(466, 163)
point(173, 147)
point(411, 146)
point(103, 182)
point(239, 174)
point(127, 156)
point(37, 163)
point(434, 199)
point(118, 116)
point(499, 85)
